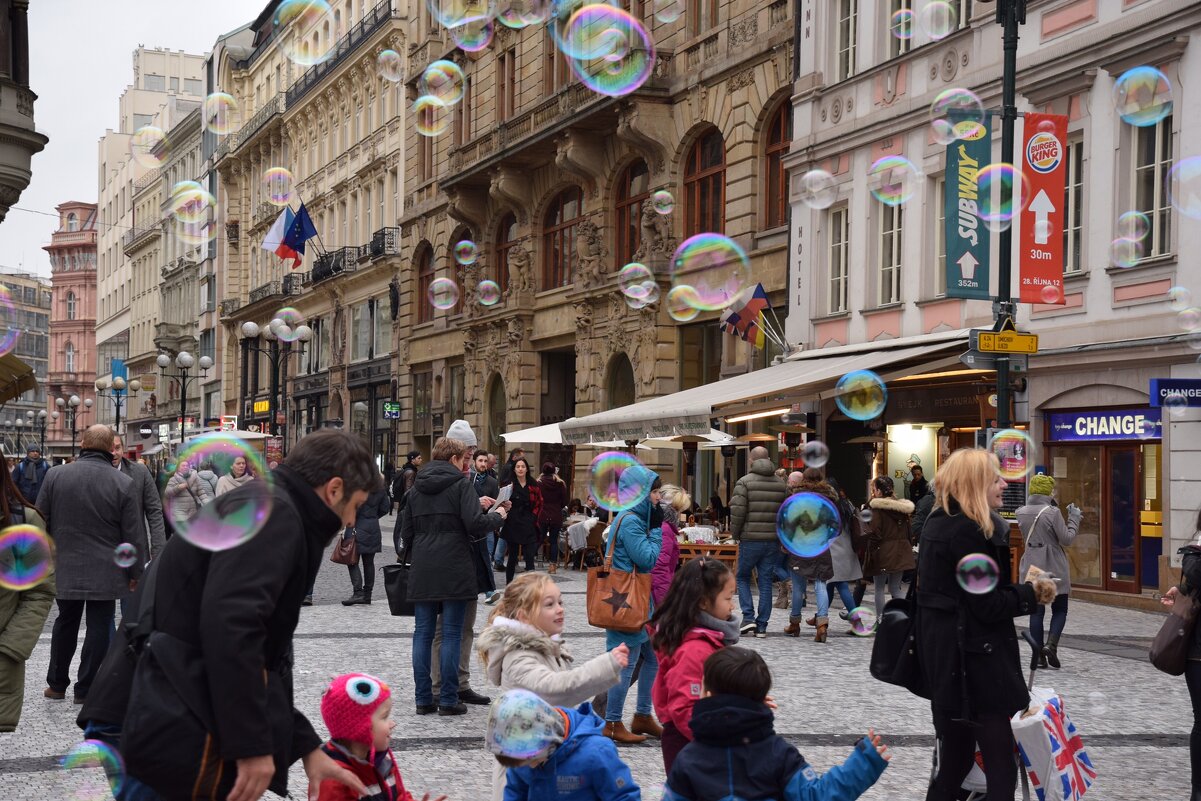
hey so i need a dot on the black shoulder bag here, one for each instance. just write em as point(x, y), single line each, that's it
point(894, 657)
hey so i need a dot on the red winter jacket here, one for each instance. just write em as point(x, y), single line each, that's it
point(379, 787)
point(678, 683)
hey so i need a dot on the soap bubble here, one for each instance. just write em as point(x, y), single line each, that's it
point(219, 114)
point(101, 771)
point(562, 13)
point(1098, 704)
point(1050, 294)
point(862, 620)
point(955, 111)
point(668, 11)
point(431, 115)
point(1142, 96)
point(232, 519)
point(1134, 225)
point(522, 726)
point(614, 52)
point(125, 555)
point(149, 147)
point(1015, 451)
point(444, 80)
point(277, 186)
point(443, 293)
point(193, 210)
point(488, 292)
point(634, 280)
point(681, 303)
point(1003, 192)
point(1125, 252)
point(901, 24)
point(312, 31)
point(662, 202)
point(473, 35)
point(818, 190)
point(450, 13)
point(286, 323)
point(865, 515)
point(1189, 319)
point(938, 19)
point(517, 14)
point(1184, 187)
point(26, 557)
point(977, 573)
point(861, 395)
point(391, 66)
point(815, 453)
point(646, 296)
point(10, 324)
point(606, 484)
point(893, 180)
point(713, 265)
point(807, 523)
point(1175, 402)
point(466, 252)
point(1179, 298)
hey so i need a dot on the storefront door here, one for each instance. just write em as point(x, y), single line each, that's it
point(1122, 468)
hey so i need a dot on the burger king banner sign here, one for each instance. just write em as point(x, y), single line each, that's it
point(1040, 250)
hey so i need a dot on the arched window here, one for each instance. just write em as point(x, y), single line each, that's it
point(632, 189)
point(497, 415)
point(779, 134)
point(506, 237)
point(72, 222)
point(558, 266)
point(69, 354)
point(619, 389)
point(425, 277)
point(705, 185)
point(70, 305)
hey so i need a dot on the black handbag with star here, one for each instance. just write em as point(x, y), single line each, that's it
point(618, 600)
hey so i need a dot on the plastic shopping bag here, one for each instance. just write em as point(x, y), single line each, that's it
point(1051, 749)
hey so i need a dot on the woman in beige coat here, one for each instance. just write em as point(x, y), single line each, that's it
point(523, 648)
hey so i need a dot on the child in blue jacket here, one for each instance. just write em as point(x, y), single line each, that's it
point(736, 753)
point(555, 754)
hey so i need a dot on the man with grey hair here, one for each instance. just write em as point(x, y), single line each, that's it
point(753, 507)
point(151, 504)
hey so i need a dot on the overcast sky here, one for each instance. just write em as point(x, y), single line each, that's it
point(81, 59)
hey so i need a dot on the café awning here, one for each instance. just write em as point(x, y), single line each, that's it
point(16, 377)
point(808, 373)
point(538, 435)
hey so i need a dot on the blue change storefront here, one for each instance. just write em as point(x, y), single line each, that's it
point(1107, 462)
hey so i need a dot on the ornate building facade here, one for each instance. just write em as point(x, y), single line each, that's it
point(18, 138)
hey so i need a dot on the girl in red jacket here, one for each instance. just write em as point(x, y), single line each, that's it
point(695, 619)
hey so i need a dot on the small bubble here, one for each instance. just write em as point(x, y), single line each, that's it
point(391, 65)
point(815, 453)
point(663, 202)
point(466, 252)
point(818, 190)
point(488, 292)
point(977, 573)
point(443, 294)
point(125, 555)
point(807, 523)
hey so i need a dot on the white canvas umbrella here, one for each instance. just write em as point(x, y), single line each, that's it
point(540, 435)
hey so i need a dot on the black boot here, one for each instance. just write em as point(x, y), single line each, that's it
point(1038, 659)
point(1051, 653)
point(366, 596)
point(355, 598)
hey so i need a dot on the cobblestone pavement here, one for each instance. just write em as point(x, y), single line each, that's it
point(1135, 720)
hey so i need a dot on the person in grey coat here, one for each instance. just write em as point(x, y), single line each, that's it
point(753, 507)
point(1046, 536)
point(89, 509)
point(185, 493)
point(151, 505)
point(369, 542)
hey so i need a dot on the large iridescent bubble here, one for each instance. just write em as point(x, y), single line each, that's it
point(1142, 96)
point(715, 267)
point(98, 771)
point(614, 52)
point(26, 557)
point(611, 487)
point(807, 523)
point(307, 31)
point(231, 519)
point(861, 395)
point(892, 180)
point(444, 80)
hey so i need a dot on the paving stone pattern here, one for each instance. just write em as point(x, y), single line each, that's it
point(1134, 719)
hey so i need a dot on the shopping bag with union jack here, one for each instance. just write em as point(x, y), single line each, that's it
point(1052, 749)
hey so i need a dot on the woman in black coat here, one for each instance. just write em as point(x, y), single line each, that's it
point(975, 684)
point(368, 540)
point(1190, 569)
point(521, 529)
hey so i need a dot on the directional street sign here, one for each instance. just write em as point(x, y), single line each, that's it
point(967, 236)
point(1005, 339)
point(1018, 362)
point(1041, 224)
point(391, 410)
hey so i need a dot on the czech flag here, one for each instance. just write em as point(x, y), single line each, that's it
point(288, 234)
point(743, 322)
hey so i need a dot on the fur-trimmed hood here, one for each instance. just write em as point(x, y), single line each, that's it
point(505, 635)
point(901, 505)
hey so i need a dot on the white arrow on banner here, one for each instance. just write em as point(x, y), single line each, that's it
point(967, 266)
point(1041, 206)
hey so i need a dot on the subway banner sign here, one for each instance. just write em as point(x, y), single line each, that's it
point(1106, 424)
point(967, 235)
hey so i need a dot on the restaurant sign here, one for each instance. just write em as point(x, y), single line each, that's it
point(1106, 424)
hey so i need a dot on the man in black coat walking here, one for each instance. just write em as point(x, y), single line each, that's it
point(231, 616)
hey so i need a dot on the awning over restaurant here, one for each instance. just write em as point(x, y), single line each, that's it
point(691, 411)
point(538, 435)
point(16, 377)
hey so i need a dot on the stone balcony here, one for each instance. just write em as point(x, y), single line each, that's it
point(18, 141)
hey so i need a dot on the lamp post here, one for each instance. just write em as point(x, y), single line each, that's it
point(277, 354)
point(20, 421)
point(116, 389)
point(184, 362)
point(40, 420)
point(70, 408)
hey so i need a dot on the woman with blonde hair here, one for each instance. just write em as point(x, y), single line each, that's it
point(966, 641)
point(674, 502)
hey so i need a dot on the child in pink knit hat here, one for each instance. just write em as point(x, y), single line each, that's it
point(357, 709)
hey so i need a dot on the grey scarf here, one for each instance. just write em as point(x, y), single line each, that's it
point(728, 628)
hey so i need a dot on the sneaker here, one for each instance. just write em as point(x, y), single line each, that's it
point(498, 567)
point(458, 709)
point(844, 615)
point(761, 634)
point(492, 597)
point(308, 601)
point(747, 628)
point(427, 709)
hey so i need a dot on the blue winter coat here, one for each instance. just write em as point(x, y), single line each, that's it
point(638, 544)
point(737, 754)
point(585, 767)
point(28, 476)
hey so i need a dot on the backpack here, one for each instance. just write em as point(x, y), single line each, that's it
point(401, 484)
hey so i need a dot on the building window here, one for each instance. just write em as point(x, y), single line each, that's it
point(506, 84)
point(632, 190)
point(69, 354)
point(425, 277)
point(423, 395)
point(70, 305)
point(702, 15)
point(838, 223)
point(1073, 205)
point(900, 45)
point(457, 392)
point(889, 288)
point(360, 332)
point(425, 152)
point(506, 238)
point(565, 212)
point(383, 328)
point(846, 17)
point(779, 135)
point(463, 117)
point(555, 73)
point(1152, 159)
point(705, 185)
point(940, 238)
point(156, 83)
point(72, 222)
point(193, 86)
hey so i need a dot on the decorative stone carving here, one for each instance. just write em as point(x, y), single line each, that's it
point(646, 126)
point(836, 110)
point(467, 206)
point(514, 336)
point(582, 156)
point(656, 234)
point(740, 80)
point(591, 254)
point(521, 273)
point(585, 368)
point(950, 64)
point(511, 188)
point(648, 343)
point(472, 274)
point(744, 30)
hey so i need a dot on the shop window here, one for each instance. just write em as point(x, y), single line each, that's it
point(846, 21)
point(632, 190)
point(619, 389)
point(1073, 204)
point(506, 238)
point(779, 135)
point(838, 227)
point(1152, 148)
point(425, 277)
point(889, 273)
point(705, 185)
point(564, 214)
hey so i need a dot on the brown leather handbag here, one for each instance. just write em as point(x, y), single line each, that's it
point(618, 600)
point(346, 552)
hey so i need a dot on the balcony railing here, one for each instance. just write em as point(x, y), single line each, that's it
point(135, 236)
point(334, 262)
point(293, 283)
point(146, 180)
point(385, 242)
point(372, 21)
point(275, 105)
point(267, 290)
point(229, 306)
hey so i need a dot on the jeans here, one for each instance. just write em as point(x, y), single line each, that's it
point(131, 788)
point(425, 620)
point(844, 592)
point(893, 580)
point(363, 580)
point(498, 556)
point(491, 547)
point(957, 743)
point(553, 532)
point(762, 557)
point(616, 702)
point(511, 565)
point(1059, 619)
point(466, 641)
point(798, 597)
point(98, 634)
point(1192, 677)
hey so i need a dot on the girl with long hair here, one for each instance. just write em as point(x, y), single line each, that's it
point(521, 529)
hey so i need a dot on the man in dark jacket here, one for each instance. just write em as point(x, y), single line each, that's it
point(30, 472)
point(441, 522)
point(401, 484)
point(89, 509)
point(486, 486)
point(753, 507)
point(151, 504)
point(231, 614)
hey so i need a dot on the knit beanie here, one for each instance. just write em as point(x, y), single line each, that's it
point(348, 705)
point(1041, 484)
point(523, 726)
point(461, 430)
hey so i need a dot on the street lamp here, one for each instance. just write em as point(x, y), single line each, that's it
point(277, 354)
point(40, 420)
point(70, 408)
point(184, 362)
point(116, 389)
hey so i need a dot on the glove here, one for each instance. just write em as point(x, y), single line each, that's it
point(1074, 512)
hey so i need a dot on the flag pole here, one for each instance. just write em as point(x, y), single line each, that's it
point(320, 242)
